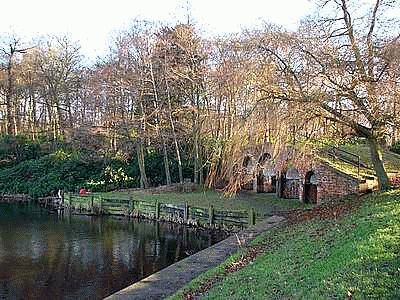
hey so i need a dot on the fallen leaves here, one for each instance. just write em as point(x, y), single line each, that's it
point(326, 211)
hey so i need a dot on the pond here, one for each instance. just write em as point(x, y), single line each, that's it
point(43, 255)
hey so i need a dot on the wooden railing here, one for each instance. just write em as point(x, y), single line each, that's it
point(181, 213)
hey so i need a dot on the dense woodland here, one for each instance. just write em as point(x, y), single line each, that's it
point(167, 104)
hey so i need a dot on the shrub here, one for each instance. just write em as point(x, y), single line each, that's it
point(44, 176)
point(40, 175)
point(14, 149)
point(396, 147)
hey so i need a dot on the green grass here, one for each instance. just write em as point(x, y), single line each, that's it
point(358, 255)
point(391, 160)
point(262, 203)
point(346, 168)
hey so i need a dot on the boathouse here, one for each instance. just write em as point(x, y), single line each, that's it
point(290, 175)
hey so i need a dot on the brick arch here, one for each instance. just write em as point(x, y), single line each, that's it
point(310, 190)
point(266, 156)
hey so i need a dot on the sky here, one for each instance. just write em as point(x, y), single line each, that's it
point(92, 22)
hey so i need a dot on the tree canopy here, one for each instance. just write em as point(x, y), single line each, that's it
point(204, 100)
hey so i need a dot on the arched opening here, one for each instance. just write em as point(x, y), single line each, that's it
point(246, 161)
point(289, 182)
point(266, 181)
point(248, 166)
point(264, 158)
point(281, 184)
point(273, 184)
point(266, 178)
point(310, 188)
point(260, 182)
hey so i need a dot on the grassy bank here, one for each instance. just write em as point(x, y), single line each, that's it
point(262, 203)
point(390, 159)
point(356, 256)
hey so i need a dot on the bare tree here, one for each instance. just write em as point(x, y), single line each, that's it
point(12, 48)
point(59, 63)
point(339, 62)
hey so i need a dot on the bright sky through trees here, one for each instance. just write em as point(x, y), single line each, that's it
point(92, 21)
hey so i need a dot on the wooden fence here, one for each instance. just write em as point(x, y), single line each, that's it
point(15, 198)
point(158, 211)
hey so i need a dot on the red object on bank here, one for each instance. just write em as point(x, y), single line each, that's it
point(83, 191)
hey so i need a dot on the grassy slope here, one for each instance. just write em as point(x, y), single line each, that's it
point(262, 203)
point(358, 255)
point(391, 160)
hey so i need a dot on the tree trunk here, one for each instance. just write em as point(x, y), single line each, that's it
point(178, 153)
point(159, 131)
point(32, 114)
point(177, 150)
point(9, 103)
point(201, 174)
point(394, 126)
point(196, 158)
point(377, 162)
point(166, 163)
point(60, 121)
point(15, 118)
point(140, 158)
point(196, 137)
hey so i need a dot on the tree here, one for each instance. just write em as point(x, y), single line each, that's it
point(339, 63)
point(59, 63)
point(8, 54)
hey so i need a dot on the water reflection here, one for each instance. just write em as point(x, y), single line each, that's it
point(44, 255)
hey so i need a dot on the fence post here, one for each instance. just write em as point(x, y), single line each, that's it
point(91, 203)
point(210, 214)
point(131, 204)
point(101, 205)
point(251, 219)
point(186, 212)
point(157, 210)
point(137, 207)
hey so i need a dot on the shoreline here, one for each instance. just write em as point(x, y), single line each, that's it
point(167, 281)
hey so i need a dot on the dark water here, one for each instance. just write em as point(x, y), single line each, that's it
point(44, 256)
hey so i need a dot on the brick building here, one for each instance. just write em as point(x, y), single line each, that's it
point(315, 184)
point(309, 179)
